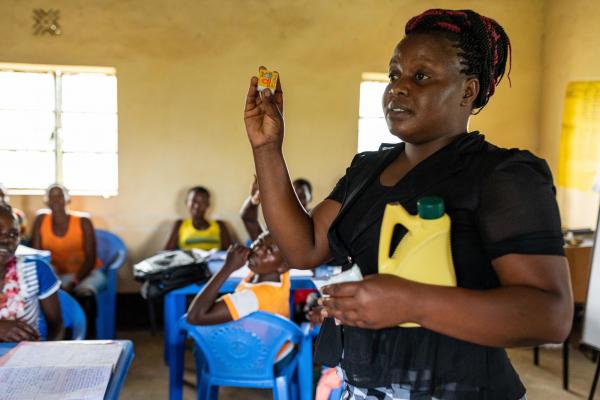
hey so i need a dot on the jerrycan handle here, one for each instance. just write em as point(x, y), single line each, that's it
point(393, 215)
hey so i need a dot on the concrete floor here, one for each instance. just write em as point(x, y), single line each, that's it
point(148, 377)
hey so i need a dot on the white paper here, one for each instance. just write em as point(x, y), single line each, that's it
point(63, 353)
point(54, 383)
point(351, 275)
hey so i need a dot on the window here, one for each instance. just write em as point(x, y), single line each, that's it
point(372, 127)
point(579, 161)
point(58, 124)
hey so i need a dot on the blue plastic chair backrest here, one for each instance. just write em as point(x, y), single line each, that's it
point(110, 248)
point(72, 315)
point(246, 348)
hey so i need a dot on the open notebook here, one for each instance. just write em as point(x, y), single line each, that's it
point(58, 370)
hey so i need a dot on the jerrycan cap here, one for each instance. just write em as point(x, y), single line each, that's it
point(430, 207)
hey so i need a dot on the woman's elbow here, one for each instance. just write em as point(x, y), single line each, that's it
point(560, 319)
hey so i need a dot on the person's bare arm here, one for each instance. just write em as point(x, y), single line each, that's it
point(249, 214)
point(89, 247)
point(51, 309)
point(534, 304)
point(301, 237)
point(226, 240)
point(205, 309)
point(36, 240)
point(172, 243)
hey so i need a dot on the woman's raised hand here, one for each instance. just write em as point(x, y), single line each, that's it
point(263, 115)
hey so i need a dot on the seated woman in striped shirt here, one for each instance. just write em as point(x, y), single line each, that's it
point(26, 285)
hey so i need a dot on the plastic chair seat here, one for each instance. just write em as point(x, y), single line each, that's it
point(242, 354)
point(72, 315)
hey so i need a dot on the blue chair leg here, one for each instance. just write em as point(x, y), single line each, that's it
point(210, 393)
point(281, 390)
point(105, 312)
point(176, 364)
point(174, 308)
point(295, 389)
point(305, 369)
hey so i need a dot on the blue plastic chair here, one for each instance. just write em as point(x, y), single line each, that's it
point(242, 353)
point(112, 252)
point(72, 315)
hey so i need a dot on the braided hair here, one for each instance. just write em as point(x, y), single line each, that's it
point(483, 45)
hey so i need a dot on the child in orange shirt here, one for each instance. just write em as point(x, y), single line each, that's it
point(266, 288)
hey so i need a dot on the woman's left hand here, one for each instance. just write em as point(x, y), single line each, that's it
point(378, 301)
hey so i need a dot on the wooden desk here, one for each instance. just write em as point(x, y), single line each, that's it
point(579, 258)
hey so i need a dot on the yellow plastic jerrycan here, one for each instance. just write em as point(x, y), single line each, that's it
point(424, 254)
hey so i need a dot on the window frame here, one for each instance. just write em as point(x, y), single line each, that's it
point(58, 71)
point(378, 77)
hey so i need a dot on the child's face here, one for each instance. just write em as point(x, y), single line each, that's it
point(197, 204)
point(9, 237)
point(265, 256)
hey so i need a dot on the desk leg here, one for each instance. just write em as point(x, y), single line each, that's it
point(595, 381)
point(174, 308)
point(565, 354)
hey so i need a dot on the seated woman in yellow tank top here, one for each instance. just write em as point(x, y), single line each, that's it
point(197, 232)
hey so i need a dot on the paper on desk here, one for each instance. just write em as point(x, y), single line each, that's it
point(54, 383)
point(63, 354)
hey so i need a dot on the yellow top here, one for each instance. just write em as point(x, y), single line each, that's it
point(205, 239)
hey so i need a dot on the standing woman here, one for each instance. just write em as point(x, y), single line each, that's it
point(513, 281)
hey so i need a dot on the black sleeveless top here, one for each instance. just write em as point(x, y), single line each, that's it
point(500, 201)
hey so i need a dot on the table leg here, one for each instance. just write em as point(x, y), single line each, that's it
point(595, 381)
point(565, 354)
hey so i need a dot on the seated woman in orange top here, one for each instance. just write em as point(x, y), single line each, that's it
point(72, 241)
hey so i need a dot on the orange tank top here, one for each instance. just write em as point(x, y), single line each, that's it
point(68, 253)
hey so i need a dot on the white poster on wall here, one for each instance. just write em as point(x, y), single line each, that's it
point(591, 325)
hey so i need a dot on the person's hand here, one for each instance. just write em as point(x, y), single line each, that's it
point(16, 331)
point(237, 255)
point(378, 301)
point(314, 316)
point(254, 192)
point(263, 115)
